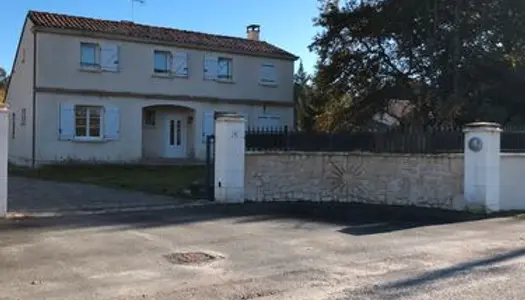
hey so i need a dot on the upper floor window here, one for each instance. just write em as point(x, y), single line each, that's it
point(224, 68)
point(87, 121)
point(161, 61)
point(103, 57)
point(89, 55)
point(268, 75)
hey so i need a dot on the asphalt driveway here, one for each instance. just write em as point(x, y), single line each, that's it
point(263, 251)
point(34, 196)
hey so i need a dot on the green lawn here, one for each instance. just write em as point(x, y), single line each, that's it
point(165, 180)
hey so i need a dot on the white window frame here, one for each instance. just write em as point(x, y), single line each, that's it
point(168, 57)
point(96, 63)
point(150, 117)
point(265, 81)
point(88, 121)
point(229, 76)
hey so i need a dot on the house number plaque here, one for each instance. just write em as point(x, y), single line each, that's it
point(475, 144)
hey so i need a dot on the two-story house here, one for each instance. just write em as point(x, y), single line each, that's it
point(117, 91)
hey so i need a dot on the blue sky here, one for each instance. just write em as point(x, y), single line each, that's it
point(285, 23)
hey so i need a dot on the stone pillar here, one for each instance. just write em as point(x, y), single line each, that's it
point(4, 134)
point(482, 166)
point(229, 158)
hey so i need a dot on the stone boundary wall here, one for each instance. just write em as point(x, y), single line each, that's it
point(396, 179)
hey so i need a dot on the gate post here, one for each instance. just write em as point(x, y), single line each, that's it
point(210, 172)
point(229, 158)
point(4, 134)
point(482, 166)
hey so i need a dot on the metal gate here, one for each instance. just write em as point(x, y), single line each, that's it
point(210, 167)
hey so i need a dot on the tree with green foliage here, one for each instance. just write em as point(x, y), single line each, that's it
point(3, 84)
point(456, 60)
point(3, 77)
point(305, 110)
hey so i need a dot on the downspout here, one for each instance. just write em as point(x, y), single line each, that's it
point(33, 134)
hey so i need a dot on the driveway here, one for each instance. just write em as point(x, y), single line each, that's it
point(262, 251)
point(28, 195)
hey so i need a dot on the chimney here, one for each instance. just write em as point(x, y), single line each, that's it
point(253, 31)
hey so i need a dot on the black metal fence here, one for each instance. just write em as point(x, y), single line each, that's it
point(391, 141)
point(513, 139)
point(398, 140)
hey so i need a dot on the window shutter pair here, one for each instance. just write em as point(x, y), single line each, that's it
point(111, 122)
point(109, 57)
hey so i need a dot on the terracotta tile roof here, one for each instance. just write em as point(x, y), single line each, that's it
point(161, 34)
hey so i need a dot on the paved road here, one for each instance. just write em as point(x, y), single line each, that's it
point(269, 251)
point(39, 196)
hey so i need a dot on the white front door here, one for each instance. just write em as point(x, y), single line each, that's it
point(175, 137)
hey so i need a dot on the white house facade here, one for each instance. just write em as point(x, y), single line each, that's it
point(106, 91)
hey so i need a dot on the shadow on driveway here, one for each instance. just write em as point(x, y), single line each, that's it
point(357, 219)
point(454, 270)
point(478, 269)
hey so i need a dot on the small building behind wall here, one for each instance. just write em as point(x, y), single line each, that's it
point(82, 94)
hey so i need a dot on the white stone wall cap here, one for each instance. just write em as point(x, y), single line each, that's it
point(511, 154)
point(353, 153)
point(482, 126)
point(229, 117)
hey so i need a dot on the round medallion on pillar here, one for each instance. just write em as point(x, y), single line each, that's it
point(475, 144)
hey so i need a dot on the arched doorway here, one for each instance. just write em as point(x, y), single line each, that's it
point(168, 132)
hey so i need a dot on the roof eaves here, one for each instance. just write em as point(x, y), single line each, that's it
point(90, 33)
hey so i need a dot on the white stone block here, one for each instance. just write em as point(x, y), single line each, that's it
point(229, 158)
point(482, 166)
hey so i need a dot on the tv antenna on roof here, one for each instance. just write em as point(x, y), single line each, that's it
point(133, 8)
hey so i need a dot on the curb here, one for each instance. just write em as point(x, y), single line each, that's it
point(101, 210)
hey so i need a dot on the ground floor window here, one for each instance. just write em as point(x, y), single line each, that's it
point(88, 121)
point(269, 122)
point(149, 117)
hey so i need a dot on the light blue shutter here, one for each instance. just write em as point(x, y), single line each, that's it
point(66, 130)
point(210, 67)
point(111, 122)
point(268, 73)
point(109, 57)
point(180, 64)
point(208, 125)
